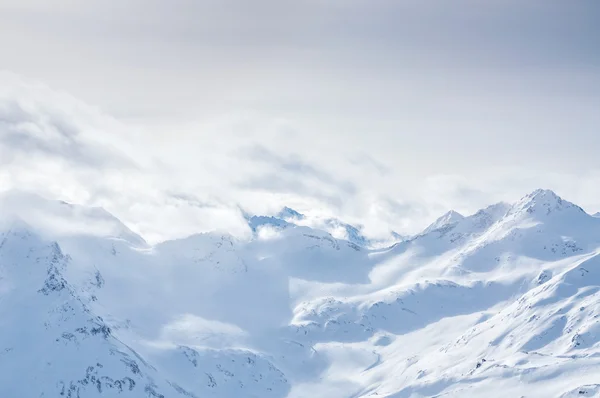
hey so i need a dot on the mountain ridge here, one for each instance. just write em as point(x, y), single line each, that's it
point(507, 293)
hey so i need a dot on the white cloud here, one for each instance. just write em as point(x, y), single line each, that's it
point(384, 116)
point(58, 147)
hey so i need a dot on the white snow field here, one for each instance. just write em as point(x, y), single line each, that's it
point(502, 303)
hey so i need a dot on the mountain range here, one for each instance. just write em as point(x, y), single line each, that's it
point(501, 303)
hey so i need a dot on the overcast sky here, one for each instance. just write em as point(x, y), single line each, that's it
point(172, 114)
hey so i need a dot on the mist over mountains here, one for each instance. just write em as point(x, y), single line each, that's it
point(503, 302)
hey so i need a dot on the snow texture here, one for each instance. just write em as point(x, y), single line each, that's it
point(501, 303)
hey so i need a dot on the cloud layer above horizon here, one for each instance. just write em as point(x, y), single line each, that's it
point(384, 115)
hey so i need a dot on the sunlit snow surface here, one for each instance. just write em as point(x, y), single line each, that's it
point(503, 303)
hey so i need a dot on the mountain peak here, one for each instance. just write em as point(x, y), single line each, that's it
point(287, 213)
point(543, 201)
point(286, 217)
point(449, 218)
point(256, 222)
point(544, 197)
point(544, 194)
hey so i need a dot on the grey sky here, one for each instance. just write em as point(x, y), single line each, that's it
point(429, 104)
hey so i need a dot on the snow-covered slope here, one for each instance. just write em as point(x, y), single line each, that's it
point(501, 303)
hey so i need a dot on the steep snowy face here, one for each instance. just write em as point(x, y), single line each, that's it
point(500, 303)
point(448, 220)
point(52, 342)
point(77, 339)
point(548, 339)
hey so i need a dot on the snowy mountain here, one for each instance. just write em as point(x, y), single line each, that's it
point(501, 303)
point(337, 228)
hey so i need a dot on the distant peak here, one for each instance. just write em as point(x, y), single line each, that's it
point(348, 232)
point(288, 212)
point(453, 214)
point(256, 222)
point(285, 218)
point(398, 236)
point(450, 218)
